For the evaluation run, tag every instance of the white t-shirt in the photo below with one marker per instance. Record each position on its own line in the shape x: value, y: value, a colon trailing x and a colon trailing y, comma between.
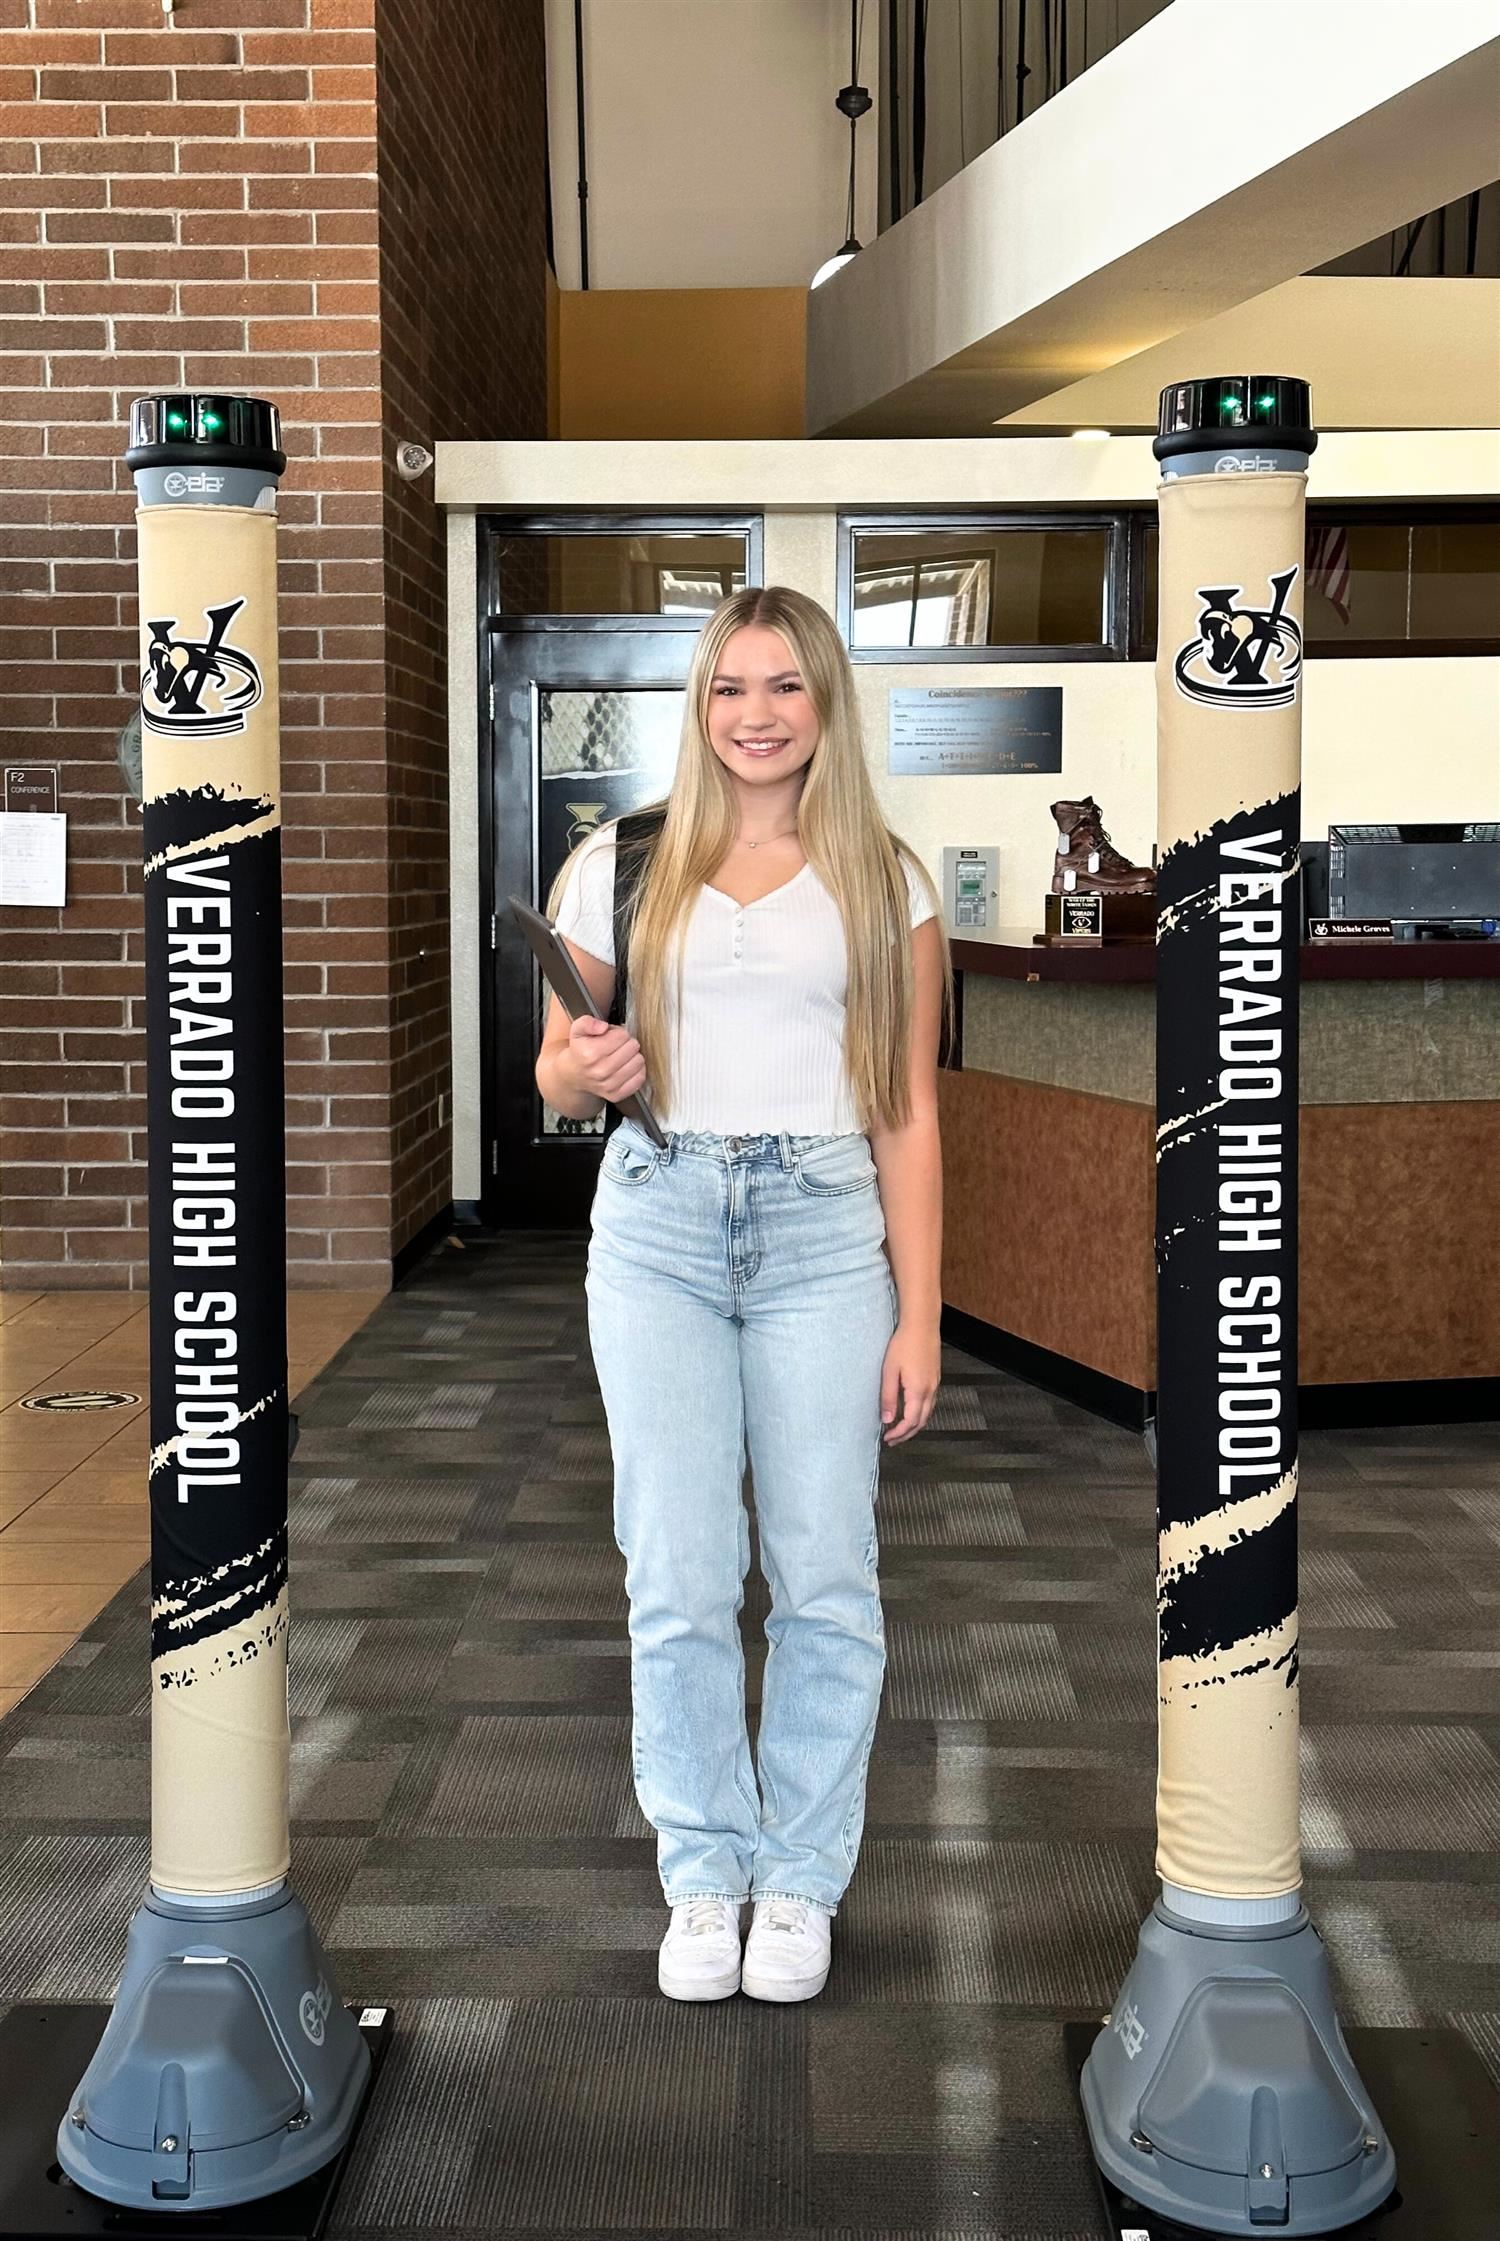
x: 761, y: 1043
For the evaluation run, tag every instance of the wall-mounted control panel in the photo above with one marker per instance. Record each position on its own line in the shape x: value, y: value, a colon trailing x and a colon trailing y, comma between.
x: 971, y: 889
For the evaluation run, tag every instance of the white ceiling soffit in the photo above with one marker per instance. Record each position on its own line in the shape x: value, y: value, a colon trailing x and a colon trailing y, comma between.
x: 1215, y: 154
x: 1378, y: 353
x: 789, y: 475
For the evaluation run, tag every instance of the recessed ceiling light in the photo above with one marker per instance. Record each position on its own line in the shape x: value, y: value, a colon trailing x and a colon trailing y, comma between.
x: 1091, y: 435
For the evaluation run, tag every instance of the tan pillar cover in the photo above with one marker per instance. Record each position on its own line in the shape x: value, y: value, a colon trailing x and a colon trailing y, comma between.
x: 1227, y: 1777
x: 219, y: 1728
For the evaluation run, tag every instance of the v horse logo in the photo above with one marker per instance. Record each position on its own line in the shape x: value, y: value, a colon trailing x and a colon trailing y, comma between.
x: 1242, y: 657
x: 198, y: 688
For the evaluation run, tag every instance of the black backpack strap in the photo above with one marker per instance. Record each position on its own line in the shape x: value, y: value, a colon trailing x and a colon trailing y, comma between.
x: 636, y: 835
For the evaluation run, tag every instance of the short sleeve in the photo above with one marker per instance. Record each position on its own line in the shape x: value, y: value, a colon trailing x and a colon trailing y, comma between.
x: 921, y: 901
x: 586, y: 912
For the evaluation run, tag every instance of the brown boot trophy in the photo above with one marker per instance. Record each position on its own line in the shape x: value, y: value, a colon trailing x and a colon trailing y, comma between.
x: 1088, y: 863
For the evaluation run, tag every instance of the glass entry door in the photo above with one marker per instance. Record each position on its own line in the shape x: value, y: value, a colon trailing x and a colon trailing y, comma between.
x: 587, y: 725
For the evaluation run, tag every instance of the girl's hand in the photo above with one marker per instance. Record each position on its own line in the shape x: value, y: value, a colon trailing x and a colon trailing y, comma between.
x: 910, y: 1379
x: 607, y: 1060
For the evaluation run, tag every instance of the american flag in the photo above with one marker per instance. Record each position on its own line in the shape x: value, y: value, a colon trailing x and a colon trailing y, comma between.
x: 1328, y: 568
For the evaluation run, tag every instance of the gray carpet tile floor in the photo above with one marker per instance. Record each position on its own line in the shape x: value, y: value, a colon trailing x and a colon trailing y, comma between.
x: 467, y: 1837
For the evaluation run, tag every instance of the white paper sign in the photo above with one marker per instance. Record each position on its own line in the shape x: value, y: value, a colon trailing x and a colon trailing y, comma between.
x: 33, y: 859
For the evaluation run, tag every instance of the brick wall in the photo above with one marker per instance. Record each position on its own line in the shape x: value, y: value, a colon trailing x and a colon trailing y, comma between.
x: 463, y: 317
x: 337, y: 204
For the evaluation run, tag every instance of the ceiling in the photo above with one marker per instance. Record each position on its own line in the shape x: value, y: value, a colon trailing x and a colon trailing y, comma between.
x: 1177, y: 182
x: 1378, y: 353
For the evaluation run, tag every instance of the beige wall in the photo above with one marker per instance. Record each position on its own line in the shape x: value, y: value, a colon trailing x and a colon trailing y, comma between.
x: 644, y: 363
x: 1382, y: 739
x: 716, y: 157
x: 554, y: 357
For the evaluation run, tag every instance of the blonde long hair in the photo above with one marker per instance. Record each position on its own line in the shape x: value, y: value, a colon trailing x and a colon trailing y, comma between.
x: 843, y: 835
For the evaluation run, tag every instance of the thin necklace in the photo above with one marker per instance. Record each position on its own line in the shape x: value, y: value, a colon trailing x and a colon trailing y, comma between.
x: 769, y: 836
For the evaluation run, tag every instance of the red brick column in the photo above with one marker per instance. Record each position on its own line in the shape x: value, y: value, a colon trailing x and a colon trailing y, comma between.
x: 336, y: 204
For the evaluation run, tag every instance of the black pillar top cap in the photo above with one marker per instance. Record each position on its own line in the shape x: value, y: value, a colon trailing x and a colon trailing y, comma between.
x: 200, y: 430
x: 1235, y: 412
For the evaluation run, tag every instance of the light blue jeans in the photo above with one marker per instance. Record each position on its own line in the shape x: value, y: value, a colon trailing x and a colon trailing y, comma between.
x: 740, y: 1302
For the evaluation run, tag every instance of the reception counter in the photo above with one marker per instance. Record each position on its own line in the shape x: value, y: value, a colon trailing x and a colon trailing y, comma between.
x: 1048, y: 1115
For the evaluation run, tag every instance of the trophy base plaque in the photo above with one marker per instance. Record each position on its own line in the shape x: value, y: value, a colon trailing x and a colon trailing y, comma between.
x: 1084, y: 918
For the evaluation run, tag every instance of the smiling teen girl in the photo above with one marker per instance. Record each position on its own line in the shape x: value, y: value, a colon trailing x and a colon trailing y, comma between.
x: 787, y: 973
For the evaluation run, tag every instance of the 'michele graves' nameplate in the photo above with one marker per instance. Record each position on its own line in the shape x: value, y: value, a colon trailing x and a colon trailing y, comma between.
x: 975, y: 731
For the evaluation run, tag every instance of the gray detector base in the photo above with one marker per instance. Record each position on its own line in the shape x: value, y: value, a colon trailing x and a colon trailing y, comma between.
x: 229, y: 2069
x: 1221, y: 2093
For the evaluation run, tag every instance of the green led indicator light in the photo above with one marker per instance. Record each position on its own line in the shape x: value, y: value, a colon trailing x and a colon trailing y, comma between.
x: 176, y: 420
x: 1265, y: 404
x: 212, y: 420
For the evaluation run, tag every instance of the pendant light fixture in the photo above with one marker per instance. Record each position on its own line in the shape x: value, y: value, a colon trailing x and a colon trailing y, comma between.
x: 852, y: 102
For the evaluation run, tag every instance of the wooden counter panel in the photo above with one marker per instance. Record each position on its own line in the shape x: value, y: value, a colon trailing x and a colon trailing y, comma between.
x: 1049, y: 1215
x: 1400, y: 1210
x: 1047, y: 1229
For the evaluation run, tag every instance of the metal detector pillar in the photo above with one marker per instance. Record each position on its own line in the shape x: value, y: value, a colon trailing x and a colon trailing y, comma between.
x: 1221, y: 2093
x: 229, y: 2068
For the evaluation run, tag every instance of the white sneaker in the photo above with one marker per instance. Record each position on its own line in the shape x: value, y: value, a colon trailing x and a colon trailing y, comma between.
x: 700, y: 1954
x: 788, y: 1952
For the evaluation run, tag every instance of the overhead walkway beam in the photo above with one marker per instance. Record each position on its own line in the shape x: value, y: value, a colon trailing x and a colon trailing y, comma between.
x: 1196, y: 166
